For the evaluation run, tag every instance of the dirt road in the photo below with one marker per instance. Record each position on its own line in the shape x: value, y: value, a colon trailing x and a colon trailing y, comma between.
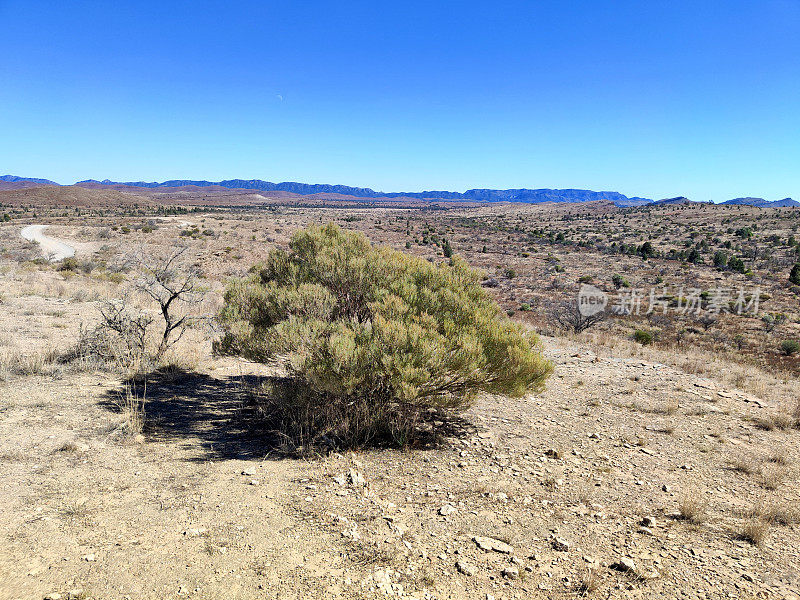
x: 53, y: 249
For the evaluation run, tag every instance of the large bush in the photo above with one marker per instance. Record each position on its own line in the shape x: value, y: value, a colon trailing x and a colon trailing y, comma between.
x: 373, y: 338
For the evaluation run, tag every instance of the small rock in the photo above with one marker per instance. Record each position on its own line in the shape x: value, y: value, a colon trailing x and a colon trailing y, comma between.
x: 553, y: 453
x: 649, y: 522
x: 255, y: 482
x: 195, y: 532
x: 645, y: 531
x: 447, y: 509
x: 487, y: 543
x: 465, y: 568
x: 560, y: 545
x: 88, y: 557
x: 75, y: 594
x: 53, y: 596
x: 653, y: 574
x: 511, y: 573
x: 356, y: 478
x: 249, y: 471
x: 626, y: 565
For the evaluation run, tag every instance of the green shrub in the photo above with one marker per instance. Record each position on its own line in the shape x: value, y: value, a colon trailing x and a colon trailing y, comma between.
x: 794, y: 274
x: 73, y: 265
x: 447, y: 249
x: 790, y: 347
x: 619, y: 281
x: 643, y: 337
x: 372, y: 338
x: 69, y: 264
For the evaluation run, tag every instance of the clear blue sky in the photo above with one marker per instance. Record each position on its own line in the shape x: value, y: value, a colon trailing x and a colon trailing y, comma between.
x: 654, y: 99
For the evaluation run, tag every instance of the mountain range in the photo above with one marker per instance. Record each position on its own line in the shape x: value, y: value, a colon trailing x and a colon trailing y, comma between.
x: 764, y: 203
x: 475, y: 195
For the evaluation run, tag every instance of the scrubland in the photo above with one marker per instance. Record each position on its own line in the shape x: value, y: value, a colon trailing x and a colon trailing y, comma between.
x: 650, y: 466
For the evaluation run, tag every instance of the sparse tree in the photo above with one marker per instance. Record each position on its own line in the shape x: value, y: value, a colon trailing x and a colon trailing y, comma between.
x: 170, y: 282
x: 794, y: 274
x: 569, y: 316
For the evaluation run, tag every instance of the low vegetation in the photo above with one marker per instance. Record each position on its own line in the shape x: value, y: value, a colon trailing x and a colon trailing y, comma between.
x: 374, y: 339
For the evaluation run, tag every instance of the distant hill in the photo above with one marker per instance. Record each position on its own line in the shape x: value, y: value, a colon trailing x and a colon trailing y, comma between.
x: 15, y: 179
x: 68, y: 196
x: 760, y: 202
x: 678, y: 200
x: 12, y: 182
x: 331, y: 192
x: 306, y: 189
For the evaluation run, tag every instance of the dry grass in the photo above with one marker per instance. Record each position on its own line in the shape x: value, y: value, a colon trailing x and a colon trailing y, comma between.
x: 743, y: 464
x: 692, y: 507
x: 13, y: 362
x: 780, y: 512
x: 779, y: 455
x: 589, y: 582
x: 75, y: 512
x: 778, y: 420
x: 131, y: 406
x: 725, y: 366
x: 772, y: 476
x: 754, y: 530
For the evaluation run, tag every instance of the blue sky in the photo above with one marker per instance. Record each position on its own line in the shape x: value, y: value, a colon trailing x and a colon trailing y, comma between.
x: 651, y: 99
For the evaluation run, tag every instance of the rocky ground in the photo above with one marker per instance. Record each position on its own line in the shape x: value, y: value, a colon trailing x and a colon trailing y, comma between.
x: 577, y: 492
x: 629, y: 477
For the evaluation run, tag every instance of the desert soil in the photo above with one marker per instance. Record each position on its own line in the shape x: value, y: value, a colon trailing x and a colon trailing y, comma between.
x: 577, y: 492
x: 199, y: 508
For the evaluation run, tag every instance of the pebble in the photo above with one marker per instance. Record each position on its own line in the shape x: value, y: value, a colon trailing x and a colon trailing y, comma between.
x: 487, y: 543
x: 447, y: 509
x: 511, y: 573
x: 560, y: 544
x: 465, y: 568
x: 195, y: 532
x: 356, y: 478
x: 626, y: 565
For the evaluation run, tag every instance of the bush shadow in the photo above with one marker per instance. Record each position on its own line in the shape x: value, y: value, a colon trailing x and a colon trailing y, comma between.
x: 224, y: 417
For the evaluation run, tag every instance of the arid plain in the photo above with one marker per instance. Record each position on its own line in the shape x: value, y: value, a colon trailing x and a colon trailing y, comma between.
x: 660, y: 461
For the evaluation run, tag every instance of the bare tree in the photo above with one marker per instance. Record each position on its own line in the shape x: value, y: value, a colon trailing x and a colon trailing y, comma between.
x: 170, y: 282
x: 568, y: 316
x: 131, y: 327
